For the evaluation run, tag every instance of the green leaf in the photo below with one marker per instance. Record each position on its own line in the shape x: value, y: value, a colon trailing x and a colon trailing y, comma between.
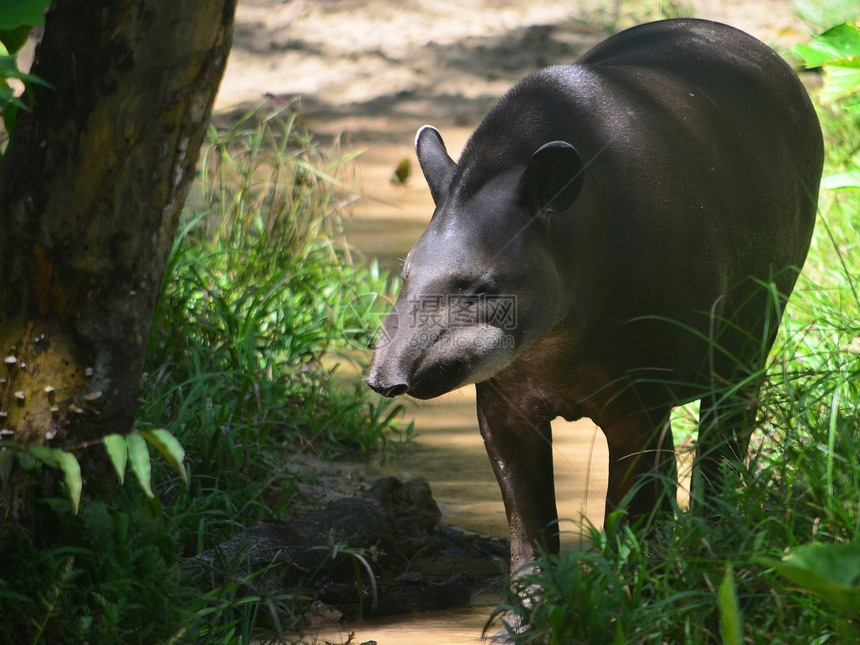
x: 118, y: 452
x: 838, y: 51
x: 72, y: 471
x: 170, y: 447
x: 837, y: 180
x: 43, y: 454
x: 10, y: 114
x: 9, y: 69
x: 841, y: 43
x: 730, y: 613
x: 138, y: 455
x: 14, y: 13
x: 26, y: 461
x: 66, y: 462
x: 832, y: 571
x: 840, y: 80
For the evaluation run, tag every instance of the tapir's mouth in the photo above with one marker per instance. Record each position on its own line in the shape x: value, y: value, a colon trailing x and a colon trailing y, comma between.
x: 438, y: 380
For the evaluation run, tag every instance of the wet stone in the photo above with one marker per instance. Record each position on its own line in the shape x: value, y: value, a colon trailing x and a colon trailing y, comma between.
x: 418, y: 563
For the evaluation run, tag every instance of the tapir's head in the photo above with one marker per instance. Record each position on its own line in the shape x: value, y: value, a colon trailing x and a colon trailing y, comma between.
x: 481, y: 284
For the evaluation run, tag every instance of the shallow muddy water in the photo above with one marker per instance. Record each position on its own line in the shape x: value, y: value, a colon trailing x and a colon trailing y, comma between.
x: 450, y: 454
x: 438, y: 628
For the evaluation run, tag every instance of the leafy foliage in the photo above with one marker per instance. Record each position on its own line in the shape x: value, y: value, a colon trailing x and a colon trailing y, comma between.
x: 250, y: 332
x: 102, y: 576
x: 832, y: 571
x: 251, y: 364
x: 118, y: 448
x: 837, y: 51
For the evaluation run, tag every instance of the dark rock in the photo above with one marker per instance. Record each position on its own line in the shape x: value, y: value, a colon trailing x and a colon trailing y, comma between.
x: 393, y: 528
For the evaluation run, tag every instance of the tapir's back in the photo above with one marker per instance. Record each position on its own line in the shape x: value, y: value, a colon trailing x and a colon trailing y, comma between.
x: 702, y: 52
x: 729, y: 98
x: 682, y: 113
x: 719, y: 151
x: 715, y: 138
x: 683, y: 43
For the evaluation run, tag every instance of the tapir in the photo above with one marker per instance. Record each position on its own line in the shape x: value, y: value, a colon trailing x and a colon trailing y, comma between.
x: 618, y: 237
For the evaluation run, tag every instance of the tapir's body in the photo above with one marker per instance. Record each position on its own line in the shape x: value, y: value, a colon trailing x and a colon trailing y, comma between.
x: 633, y: 209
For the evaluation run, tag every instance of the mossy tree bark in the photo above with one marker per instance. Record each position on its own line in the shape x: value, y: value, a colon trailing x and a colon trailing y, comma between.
x: 91, y: 188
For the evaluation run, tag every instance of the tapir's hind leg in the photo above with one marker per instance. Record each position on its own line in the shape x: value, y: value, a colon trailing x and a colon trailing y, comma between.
x: 642, y: 466
x: 728, y: 411
x: 726, y: 423
x: 520, y: 452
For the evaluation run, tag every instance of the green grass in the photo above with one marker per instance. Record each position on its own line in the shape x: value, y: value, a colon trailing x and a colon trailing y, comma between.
x: 262, y: 302
x: 719, y: 576
x: 258, y: 306
x: 258, y: 294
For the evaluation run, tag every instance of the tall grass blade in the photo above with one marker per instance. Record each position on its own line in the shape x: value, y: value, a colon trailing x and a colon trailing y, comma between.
x: 731, y: 623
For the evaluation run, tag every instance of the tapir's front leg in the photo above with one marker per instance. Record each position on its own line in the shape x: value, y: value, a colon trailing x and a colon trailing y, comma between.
x: 520, y: 451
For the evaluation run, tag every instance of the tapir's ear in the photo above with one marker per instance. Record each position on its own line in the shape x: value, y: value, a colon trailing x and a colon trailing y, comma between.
x: 553, y: 178
x: 437, y: 166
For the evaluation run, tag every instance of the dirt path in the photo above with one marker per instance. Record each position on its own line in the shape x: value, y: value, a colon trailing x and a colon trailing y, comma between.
x: 352, y: 53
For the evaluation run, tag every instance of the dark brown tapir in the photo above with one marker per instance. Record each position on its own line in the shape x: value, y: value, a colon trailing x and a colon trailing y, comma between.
x: 618, y: 238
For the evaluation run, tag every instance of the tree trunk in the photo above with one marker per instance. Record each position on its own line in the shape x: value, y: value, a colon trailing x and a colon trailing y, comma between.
x: 91, y: 188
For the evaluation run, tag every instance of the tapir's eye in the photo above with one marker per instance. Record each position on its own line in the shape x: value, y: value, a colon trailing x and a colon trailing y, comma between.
x: 481, y: 287
x: 462, y: 285
x: 490, y: 287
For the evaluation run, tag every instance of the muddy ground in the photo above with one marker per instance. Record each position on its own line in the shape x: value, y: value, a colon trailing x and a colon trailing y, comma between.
x: 387, y: 60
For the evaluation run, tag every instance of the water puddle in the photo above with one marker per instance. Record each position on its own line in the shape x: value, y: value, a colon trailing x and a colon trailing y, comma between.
x: 449, y: 453
x: 438, y: 628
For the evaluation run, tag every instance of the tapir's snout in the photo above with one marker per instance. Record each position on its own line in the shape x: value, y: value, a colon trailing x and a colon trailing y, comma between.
x: 437, y: 339
x: 386, y: 375
x: 416, y: 362
x: 385, y: 388
x: 383, y: 377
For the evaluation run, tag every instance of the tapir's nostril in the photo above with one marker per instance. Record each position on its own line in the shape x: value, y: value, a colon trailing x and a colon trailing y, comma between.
x: 384, y: 389
x: 394, y: 390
